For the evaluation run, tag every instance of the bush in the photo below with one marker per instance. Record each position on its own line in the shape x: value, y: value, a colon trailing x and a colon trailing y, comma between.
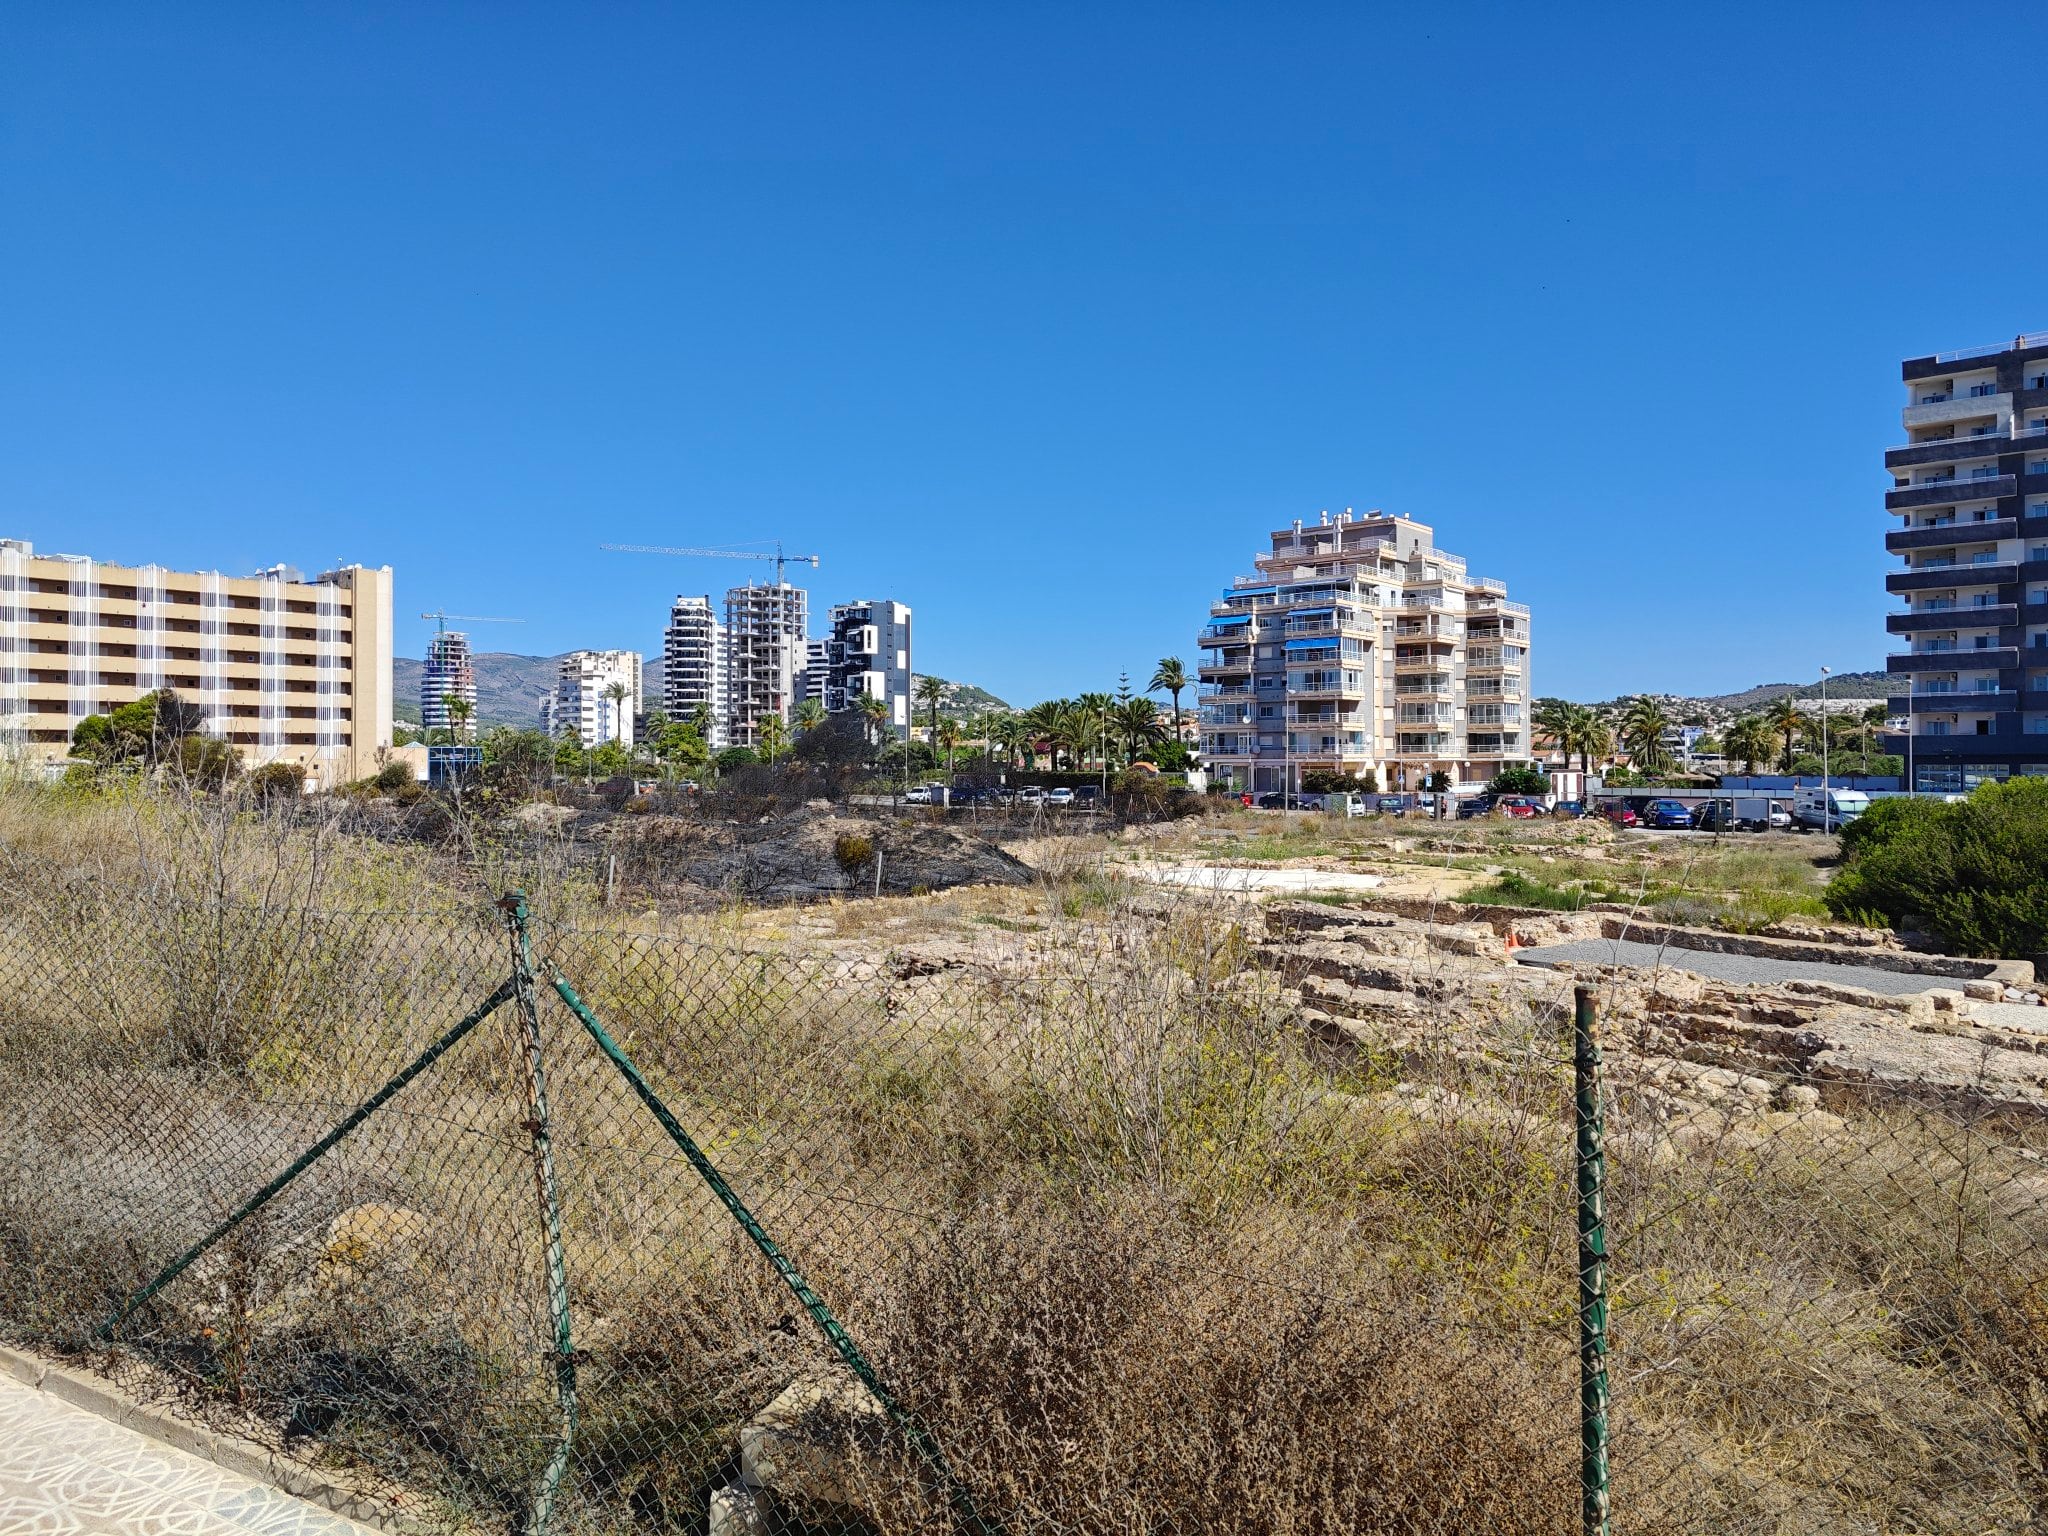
x: 278, y: 781
x: 1975, y: 872
x: 1523, y: 780
x: 393, y: 775
x: 853, y: 851
x: 1321, y: 781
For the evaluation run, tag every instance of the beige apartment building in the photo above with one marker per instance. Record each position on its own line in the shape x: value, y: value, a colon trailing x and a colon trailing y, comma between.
x: 1361, y: 645
x: 285, y: 669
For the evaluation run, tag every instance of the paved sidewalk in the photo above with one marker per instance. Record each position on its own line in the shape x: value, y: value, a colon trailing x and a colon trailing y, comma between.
x: 63, y: 1471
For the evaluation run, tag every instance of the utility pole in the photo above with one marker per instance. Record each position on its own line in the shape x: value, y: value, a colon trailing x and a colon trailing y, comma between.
x: 1826, y: 805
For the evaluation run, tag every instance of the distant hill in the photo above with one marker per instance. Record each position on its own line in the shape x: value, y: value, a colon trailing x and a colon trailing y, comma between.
x: 959, y: 700
x: 1846, y: 685
x: 508, y: 687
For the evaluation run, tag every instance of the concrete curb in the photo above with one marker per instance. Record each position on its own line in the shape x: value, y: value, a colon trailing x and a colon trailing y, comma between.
x: 245, y: 1458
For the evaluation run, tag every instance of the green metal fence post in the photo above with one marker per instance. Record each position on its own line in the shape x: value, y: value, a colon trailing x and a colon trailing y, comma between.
x: 538, y: 1127
x: 1590, y: 1122
x: 306, y: 1159
x: 920, y: 1438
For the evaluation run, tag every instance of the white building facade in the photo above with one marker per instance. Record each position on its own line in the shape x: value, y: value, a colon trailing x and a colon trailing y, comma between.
x: 597, y: 695
x: 450, y: 673
x: 1360, y: 646
x: 694, y: 667
x: 765, y: 625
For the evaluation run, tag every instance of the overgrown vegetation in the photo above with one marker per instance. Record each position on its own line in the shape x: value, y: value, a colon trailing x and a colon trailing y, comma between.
x: 1141, y: 1251
x: 1974, y: 872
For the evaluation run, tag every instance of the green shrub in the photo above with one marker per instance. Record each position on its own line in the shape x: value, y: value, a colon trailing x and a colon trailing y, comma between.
x: 1975, y: 872
x: 853, y: 851
x: 1526, y: 779
x: 1518, y: 890
x: 393, y: 775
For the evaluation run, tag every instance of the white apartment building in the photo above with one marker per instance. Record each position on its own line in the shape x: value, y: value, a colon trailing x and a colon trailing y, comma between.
x: 1969, y: 488
x: 694, y: 666
x: 285, y: 670
x: 810, y: 683
x: 765, y: 624
x: 1361, y: 645
x: 597, y: 695
x: 450, y: 673
x: 868, y: 655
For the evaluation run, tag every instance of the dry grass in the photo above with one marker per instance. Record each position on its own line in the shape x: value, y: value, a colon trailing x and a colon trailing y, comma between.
x: 1144, y: 1254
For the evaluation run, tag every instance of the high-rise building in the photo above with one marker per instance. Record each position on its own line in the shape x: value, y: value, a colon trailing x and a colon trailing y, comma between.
x: 283, y: 669
x: 868, y: 655
x: 764, y: 638
x: 693, y: 666
x: 450, y: 673
x: 810, y: 683
x: 597, y: 696
x: 1360, y: 645
x: 1970, y: 491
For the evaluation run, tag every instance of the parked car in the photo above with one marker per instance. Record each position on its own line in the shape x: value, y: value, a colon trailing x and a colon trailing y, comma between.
x: 1273, y: 800
x: 1666, y: 814
x: 1714, y: 816
x: 1060, y: 796
x: 1087, y: 795
x: 1620, y: 815
x: 1393, y: 805
x: 1031, y: 794
x: 1519, y: 806
x: 1568, y: 808
x: 1478, y: 805
x: 918, y: 794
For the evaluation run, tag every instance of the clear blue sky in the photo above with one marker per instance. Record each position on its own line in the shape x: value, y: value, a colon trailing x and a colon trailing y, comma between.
x: 1035, y: 317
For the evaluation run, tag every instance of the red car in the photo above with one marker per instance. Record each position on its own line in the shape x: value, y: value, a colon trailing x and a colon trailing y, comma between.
x: 1620, y: 815
x: 1522, y: 809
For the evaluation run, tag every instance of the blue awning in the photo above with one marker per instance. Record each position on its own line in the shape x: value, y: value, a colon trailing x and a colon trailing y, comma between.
x: 1220, y: 623
x: 1248, y: 591
x: 1309, y: 613
x: 1326, y: 643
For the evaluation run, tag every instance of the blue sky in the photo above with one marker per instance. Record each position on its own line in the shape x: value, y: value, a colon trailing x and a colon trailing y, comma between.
x: 1035, y: 317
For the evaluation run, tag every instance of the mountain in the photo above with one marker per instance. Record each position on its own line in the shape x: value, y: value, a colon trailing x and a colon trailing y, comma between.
x: 1848, y: 685
x: 508, y: 687
x: 959, y: 700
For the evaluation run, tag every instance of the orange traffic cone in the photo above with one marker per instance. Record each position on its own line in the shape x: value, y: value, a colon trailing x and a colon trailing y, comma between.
x: 1513, y: 943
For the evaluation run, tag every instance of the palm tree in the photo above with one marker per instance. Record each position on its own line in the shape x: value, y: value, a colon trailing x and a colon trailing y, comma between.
x: 1555, y: 718
x: 1170, y: 677
x: 1092, y: 712
x: 1643, y: 723
x: 874, y: 717
x: 1749, y: 739
x: 1139, y: 724
x: 808, y: 715
x: 460, y: 713
x: 946, y: 738
x: 930, y: 690
x: 1787, y: 720
x: 1012, y: 734
x: 1046, y: 722
x: 618, y: 693
x: 771, y: 737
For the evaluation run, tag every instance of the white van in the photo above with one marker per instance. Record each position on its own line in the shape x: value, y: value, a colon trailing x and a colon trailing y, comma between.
x: 1347, y: 803
x: 1826, y: 810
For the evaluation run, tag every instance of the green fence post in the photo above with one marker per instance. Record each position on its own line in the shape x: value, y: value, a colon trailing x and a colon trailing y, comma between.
x: 1590, y: 1123
x: 920, y: 1438
x: 538, y: 1127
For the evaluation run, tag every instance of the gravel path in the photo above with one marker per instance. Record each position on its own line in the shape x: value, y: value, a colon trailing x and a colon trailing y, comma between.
x: 1741, y: 968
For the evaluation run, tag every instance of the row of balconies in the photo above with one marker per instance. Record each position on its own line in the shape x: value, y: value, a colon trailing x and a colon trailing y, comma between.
x: 1942, y: 535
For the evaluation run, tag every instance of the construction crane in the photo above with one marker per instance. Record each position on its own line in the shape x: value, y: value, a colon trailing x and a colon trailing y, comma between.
x: 778, y: 557
x: 441, y: 620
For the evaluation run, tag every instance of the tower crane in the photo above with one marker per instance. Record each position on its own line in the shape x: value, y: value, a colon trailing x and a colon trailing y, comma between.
x: 778, y: 557
x: 441, y: 620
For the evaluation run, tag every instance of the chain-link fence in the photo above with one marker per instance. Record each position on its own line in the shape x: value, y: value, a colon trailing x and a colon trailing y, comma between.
x: 518, y: 1228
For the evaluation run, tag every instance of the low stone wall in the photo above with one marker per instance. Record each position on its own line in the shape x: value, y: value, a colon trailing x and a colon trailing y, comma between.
x: 2008, y: 972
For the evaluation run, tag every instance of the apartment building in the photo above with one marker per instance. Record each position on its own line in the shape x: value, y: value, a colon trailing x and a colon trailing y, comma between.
x: 810, y: 682
x: 1970, y: 494
x: 1357, y: 645
x: 867, y: 655
x: 694, y: 666
x: 449, y: 673
x: 765, y: 625
x: 597, y: 696
x: 284, y: 669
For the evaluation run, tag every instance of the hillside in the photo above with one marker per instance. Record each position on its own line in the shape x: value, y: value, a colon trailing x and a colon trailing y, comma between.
x: 508, y: 687
x: 959, y: 700
x: 1847, y: 685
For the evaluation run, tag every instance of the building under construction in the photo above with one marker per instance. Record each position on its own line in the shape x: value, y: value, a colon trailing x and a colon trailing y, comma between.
x: 765, y: 628
x: 450, y: 673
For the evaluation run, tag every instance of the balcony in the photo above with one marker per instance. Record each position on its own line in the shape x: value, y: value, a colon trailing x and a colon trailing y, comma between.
x: 1933, y: 408
x: 1991, y: 615
x: 1948, y: 450
x: 1972, y: 746
x: 1223, y: 695
x: 1955, y: 701
x: 1989, y: 658
x: 1945, y: 534
x: 1425, y: 688
x: 1225, y: 634
x: 1217, y: 671
x: 1433, y: 628
x: 1935, y: 577
x: 1941, y: 493
x: 1487, y: 662
x: 1428, y: 663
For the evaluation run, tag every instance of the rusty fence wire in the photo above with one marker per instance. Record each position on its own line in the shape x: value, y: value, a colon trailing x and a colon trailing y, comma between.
x: 504, y: 1226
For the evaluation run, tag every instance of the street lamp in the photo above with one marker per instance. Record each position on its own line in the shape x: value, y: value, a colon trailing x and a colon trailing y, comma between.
x: 1826, y: 819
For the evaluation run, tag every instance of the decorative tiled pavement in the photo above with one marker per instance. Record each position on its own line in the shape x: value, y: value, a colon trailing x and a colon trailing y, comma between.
x: 66, y: 1471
